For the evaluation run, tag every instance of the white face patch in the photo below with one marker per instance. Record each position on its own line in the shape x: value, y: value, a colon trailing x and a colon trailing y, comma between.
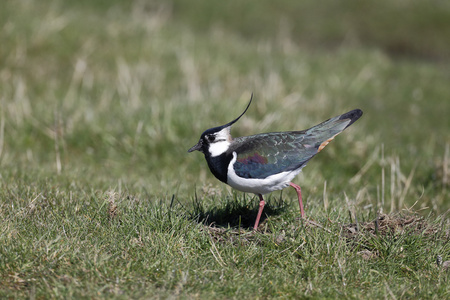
x: 221, y: 142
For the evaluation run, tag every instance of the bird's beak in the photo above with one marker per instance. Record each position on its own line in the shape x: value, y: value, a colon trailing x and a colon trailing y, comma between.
x: 197, y: 147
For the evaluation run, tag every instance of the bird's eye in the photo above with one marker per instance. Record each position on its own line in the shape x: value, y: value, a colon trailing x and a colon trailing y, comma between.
x: 211, y: 138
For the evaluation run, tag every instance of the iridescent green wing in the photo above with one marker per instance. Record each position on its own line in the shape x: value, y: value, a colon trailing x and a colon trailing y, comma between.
x: 262, y: 155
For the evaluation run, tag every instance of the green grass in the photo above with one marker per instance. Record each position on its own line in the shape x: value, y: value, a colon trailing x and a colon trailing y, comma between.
x: 100, y: 100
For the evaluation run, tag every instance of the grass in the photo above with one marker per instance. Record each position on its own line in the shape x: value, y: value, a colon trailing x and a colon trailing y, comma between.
x: 100, y: 100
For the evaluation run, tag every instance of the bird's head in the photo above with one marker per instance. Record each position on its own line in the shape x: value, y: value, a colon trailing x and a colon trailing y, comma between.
x: 215, y: 141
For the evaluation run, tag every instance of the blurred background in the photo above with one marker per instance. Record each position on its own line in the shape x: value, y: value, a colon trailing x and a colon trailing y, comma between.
x: 111, y: 94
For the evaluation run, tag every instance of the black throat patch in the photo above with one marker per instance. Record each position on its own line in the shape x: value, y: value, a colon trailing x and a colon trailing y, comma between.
x: 219, y: 165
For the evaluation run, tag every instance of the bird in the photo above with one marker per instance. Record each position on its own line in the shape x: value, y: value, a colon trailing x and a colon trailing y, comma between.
x: 267, y: 162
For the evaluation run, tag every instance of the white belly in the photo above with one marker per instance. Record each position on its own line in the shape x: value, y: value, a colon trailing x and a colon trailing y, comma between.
x: 259, y: 186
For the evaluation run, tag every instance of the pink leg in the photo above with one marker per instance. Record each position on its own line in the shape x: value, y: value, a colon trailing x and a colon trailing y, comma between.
x: 261, y: 207
x: 299, y: 194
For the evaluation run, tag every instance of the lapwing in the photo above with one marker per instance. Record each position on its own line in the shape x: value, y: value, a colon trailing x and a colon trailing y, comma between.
x: 267, y: 162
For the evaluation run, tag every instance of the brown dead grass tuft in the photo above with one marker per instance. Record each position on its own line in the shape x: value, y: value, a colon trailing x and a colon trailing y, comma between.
x: 391, y: 224
x: 112, y: 207
x: 227, y: 235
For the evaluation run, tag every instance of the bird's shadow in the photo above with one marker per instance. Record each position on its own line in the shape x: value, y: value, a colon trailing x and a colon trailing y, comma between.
x: 235, y: 211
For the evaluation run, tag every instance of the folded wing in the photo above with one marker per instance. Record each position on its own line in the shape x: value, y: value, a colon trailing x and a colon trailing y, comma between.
x: 262, y: 155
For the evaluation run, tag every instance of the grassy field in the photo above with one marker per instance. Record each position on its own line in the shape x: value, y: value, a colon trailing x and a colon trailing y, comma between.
x: 100, y: 101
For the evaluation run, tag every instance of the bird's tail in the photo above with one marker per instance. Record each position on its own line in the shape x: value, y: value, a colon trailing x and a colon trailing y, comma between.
x: 327, y: 130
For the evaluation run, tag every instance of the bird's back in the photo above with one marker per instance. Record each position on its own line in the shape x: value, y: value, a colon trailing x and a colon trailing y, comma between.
x: 262, y: 155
